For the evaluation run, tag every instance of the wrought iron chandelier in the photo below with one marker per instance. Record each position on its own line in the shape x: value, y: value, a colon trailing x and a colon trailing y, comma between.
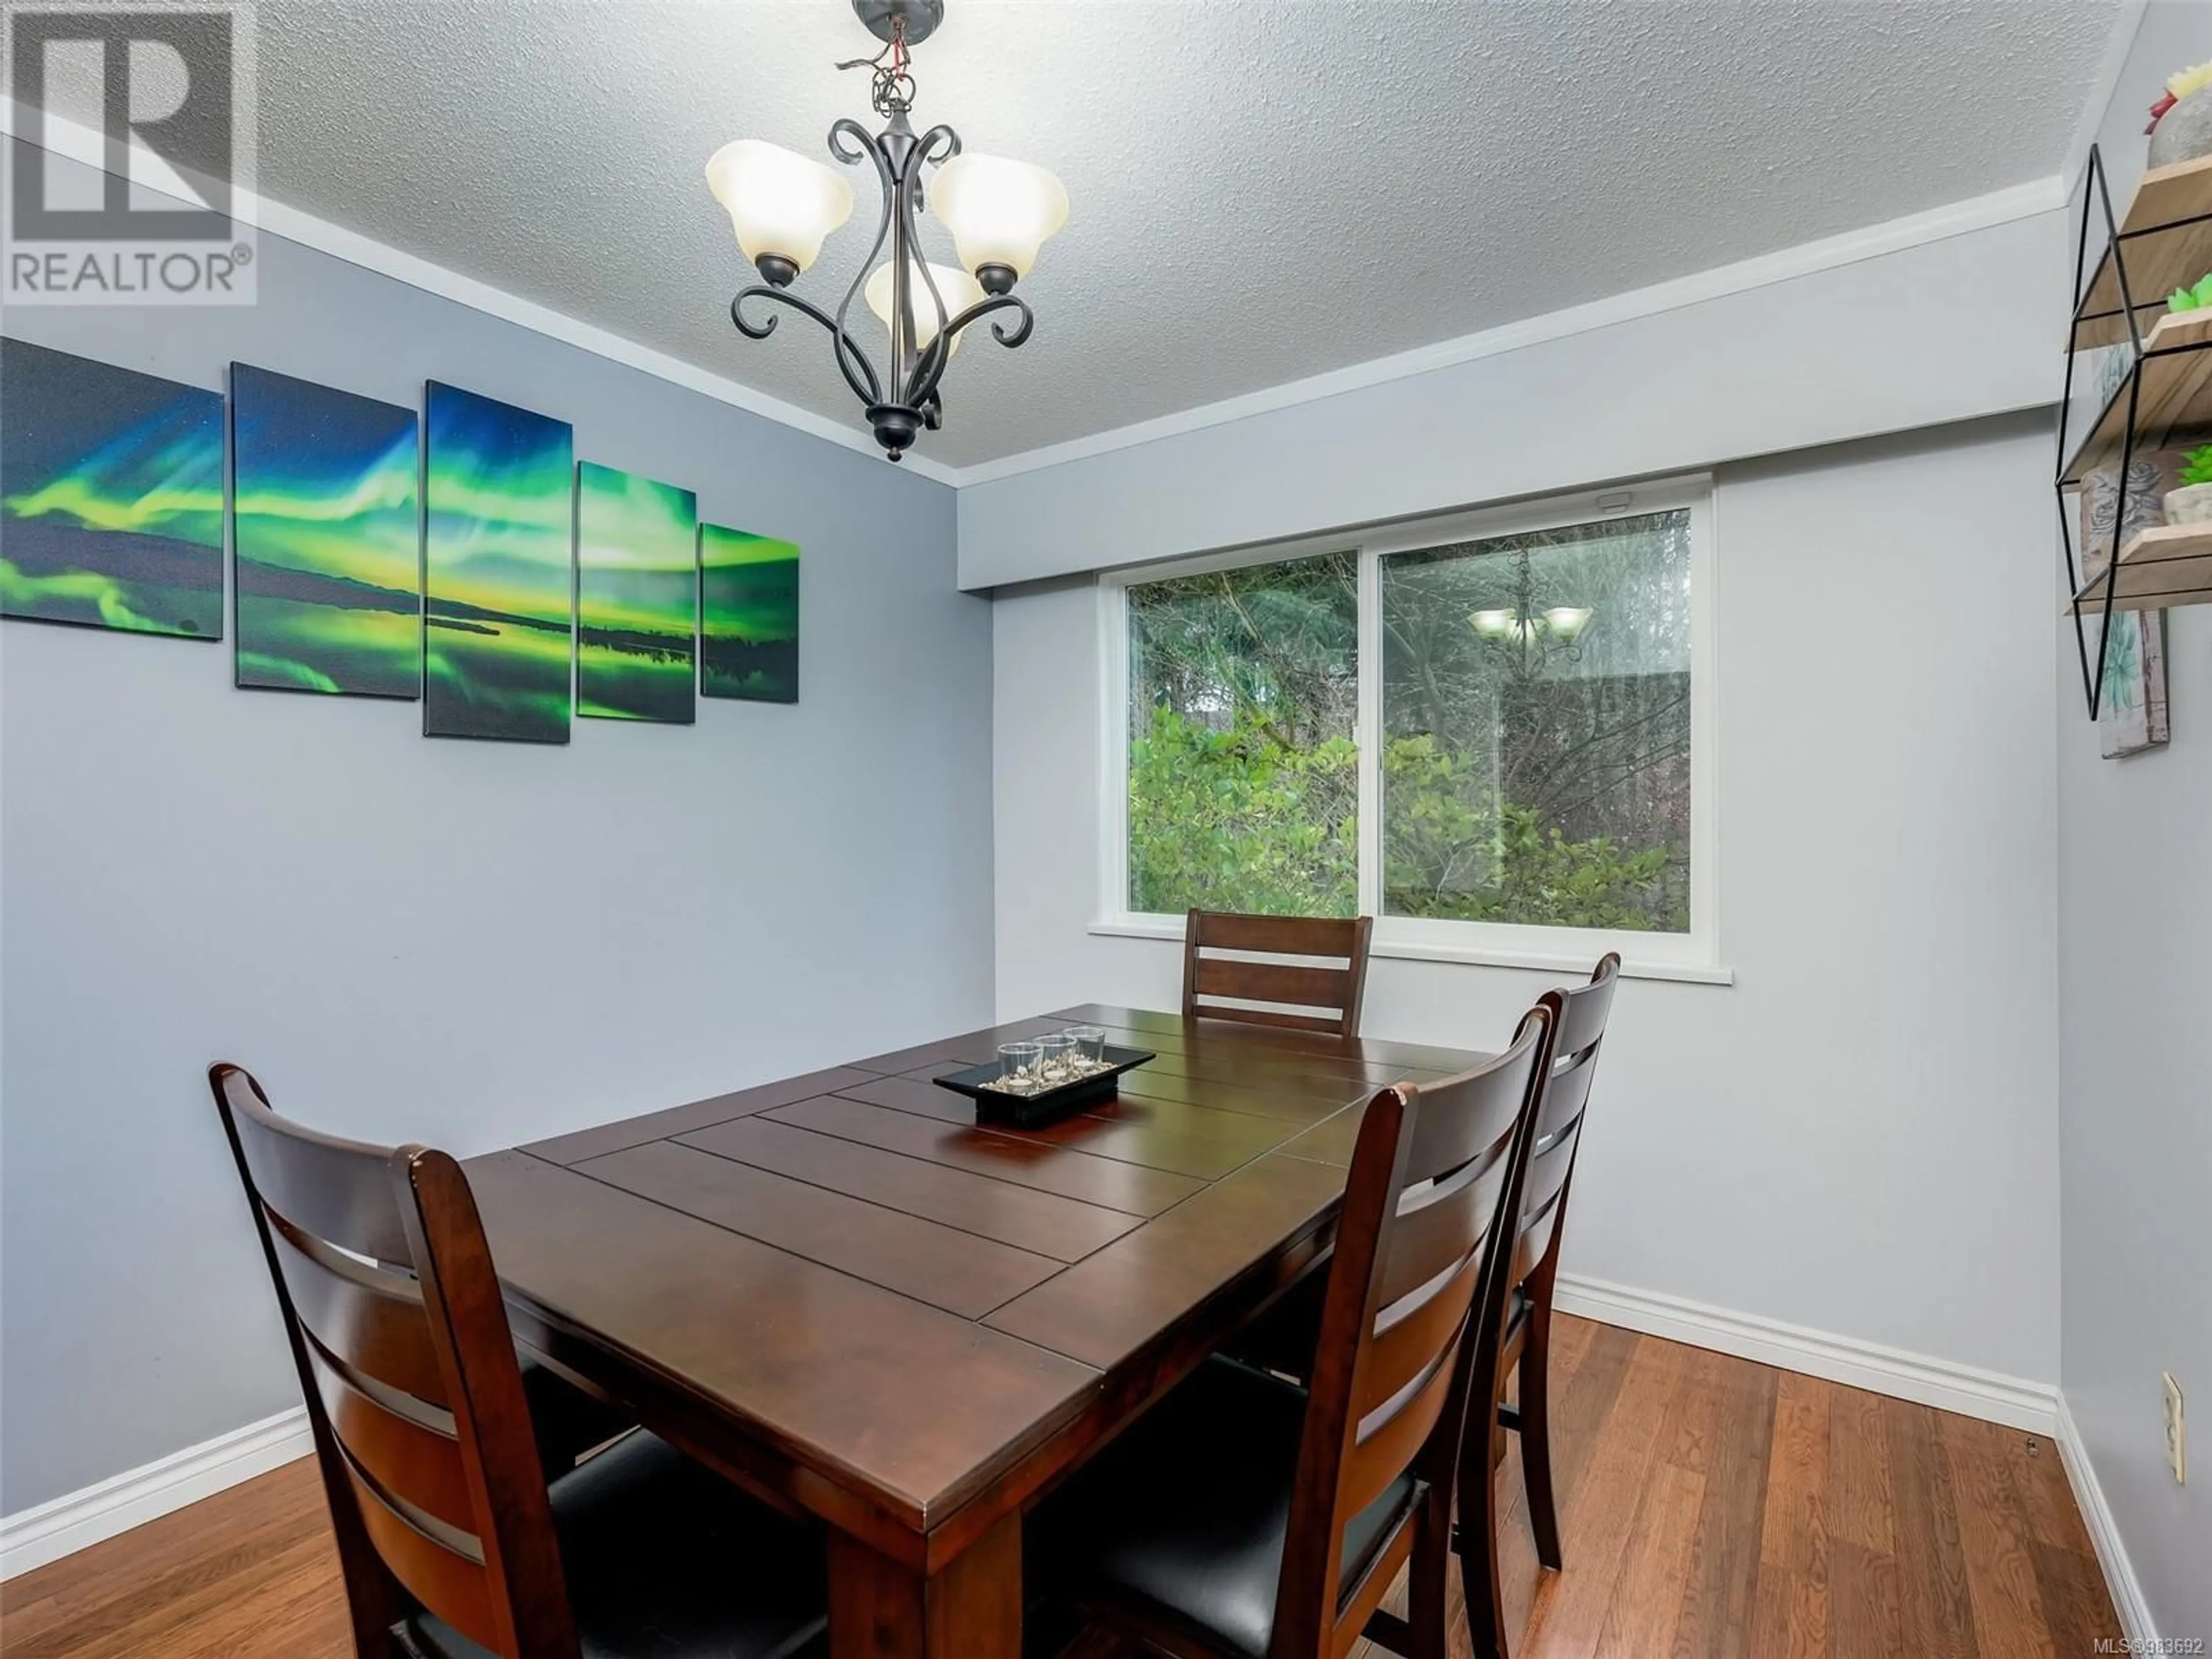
x: 783, y: 206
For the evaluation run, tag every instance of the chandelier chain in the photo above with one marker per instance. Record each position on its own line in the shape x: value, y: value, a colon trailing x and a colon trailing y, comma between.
x: 891, y: 79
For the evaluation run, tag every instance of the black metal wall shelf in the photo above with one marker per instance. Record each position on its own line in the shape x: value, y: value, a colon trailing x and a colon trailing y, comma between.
x: 2176, y: 390
x: 2169, y: 200
x: 2164, y: 243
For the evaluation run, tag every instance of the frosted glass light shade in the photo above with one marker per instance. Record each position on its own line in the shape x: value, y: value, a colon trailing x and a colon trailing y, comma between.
x: 999, y: 212
x: 1493, y: 624
x: 779, y: 202
x: 1567, y: 620
x: 956, y: 287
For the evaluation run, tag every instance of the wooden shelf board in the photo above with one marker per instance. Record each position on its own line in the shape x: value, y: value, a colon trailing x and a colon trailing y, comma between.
x: 2164, y: 250
x: 2165, y: 541
x: 2180, y: 331
x: 2177, y: 392
x: 2169, y: 565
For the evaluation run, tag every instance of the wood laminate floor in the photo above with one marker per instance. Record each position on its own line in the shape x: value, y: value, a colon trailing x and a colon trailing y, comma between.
x: 1710, y: 1507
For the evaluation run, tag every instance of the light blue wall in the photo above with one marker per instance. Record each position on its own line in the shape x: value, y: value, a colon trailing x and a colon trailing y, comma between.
x: 1873, y: 1104
x: 469, y: 944
x: 2135, y: 1039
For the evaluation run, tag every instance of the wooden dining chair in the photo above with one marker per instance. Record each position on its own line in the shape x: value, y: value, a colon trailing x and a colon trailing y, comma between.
x: 450, y: 1542
x: 1330, y: 984
x: 1245, y: 1518
x: 1528, y: 1343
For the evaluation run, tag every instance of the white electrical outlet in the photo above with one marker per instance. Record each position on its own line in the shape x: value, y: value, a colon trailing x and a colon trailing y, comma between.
x: 2177, y: 1431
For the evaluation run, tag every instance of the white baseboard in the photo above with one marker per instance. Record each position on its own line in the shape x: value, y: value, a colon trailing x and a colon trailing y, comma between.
x: 78, y: 1520
x: 2128, y: 1598
x: 1966, y: 1389
x: 2034, y: 1407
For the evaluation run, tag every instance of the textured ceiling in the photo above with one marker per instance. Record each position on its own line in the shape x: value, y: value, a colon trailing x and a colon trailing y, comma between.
x: 1262, y: 191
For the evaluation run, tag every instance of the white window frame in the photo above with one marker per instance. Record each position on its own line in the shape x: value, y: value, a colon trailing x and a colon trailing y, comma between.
x: 1693, y: 956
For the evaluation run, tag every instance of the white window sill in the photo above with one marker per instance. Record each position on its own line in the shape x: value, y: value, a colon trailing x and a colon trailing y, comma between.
x: 1687, y: 973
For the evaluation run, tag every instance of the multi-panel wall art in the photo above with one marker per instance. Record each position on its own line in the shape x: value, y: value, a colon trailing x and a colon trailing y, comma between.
x: 111, y: 497
x: 748, y: 617
x: 498, y: 555
x: 328, y: 550
x: 637, y: 597
x: 466, y: 559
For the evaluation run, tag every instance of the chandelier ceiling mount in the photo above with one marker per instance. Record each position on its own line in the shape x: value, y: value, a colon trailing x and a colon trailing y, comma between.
x: 884, y: 19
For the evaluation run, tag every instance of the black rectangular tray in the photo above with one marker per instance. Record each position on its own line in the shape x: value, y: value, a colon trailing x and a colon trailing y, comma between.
x: 1026, y: 1111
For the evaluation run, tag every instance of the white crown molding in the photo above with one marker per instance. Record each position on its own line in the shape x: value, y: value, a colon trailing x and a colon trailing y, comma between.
x: 80, y: 1519
x: 2044, y: 195
x: 79, y: 142
x: 2128, y: 1598
x: 1944, y: 1384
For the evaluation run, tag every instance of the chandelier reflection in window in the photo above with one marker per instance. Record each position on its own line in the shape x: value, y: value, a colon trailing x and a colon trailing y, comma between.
x: 1540, y: 637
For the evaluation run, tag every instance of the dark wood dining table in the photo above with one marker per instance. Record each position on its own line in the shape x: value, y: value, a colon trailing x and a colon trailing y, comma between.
x: 842, y: 1293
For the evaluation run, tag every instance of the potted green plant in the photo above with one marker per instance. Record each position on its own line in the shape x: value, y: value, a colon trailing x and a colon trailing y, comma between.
x: 2192, y: 503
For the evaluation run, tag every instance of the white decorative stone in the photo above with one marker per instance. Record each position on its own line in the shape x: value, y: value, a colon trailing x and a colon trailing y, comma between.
x: 2190, y: 504
x: 2184, y: 132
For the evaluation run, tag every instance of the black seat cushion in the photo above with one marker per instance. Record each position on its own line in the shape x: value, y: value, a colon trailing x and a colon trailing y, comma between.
x: 665, y: 1560
x: 1189, y: 1510
x: 565, y: 1420
x: 1282, y: 1338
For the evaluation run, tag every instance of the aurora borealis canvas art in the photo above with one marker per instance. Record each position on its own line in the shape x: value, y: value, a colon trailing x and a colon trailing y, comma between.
x: 637, y: 597
x: 111, y: 497
x: 748, y: 617
x: 329, y: 553
x: 499, y: 557
x: 464, y: 557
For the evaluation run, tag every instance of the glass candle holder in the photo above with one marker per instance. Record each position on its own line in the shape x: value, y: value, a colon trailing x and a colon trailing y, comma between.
x: 1089, y: 1042
x: 1019, y: 1064
x: 1055, y: 1054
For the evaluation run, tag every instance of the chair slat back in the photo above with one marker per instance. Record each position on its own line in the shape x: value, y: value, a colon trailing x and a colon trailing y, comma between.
x: 1559, y: 1123
x: 369, y: 1318
x: 1410, y: 1323
x: 400, y: 1444
x: 414, y: 1394
x: 1322, y: 993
